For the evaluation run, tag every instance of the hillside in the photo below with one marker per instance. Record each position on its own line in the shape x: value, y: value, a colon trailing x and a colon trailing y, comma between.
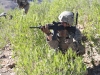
x: 29, y: 47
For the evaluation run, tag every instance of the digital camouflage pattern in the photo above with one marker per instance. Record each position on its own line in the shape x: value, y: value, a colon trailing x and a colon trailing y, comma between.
x: 66, y: 16
x: 64, y: 43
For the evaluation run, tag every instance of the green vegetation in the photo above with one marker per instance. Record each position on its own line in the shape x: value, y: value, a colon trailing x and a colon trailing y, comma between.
x: 33, y: 54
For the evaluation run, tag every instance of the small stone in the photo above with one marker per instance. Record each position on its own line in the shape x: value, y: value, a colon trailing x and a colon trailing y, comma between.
x: 3, y: 56
x: 11, y: 65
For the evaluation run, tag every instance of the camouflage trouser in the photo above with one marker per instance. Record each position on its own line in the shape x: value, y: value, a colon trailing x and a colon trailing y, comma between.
x: 79, y: 48
x: 63, y: 46
x: 26, y: 8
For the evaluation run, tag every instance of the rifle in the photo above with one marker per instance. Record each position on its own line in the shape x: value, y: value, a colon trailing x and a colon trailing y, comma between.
x: 56, y: 26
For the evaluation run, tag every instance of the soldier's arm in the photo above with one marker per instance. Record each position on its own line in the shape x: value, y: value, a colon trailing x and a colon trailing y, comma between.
x: 78, y: 35
x: 52, y: 43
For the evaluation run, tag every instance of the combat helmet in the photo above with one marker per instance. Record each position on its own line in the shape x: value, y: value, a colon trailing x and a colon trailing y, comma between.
x: 66, y: 16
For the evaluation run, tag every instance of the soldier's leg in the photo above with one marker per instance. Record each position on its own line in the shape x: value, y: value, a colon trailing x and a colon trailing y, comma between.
x: 80, y: 49
x: 26, y: 8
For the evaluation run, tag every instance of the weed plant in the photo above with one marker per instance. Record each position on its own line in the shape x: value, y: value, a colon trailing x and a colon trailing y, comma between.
x: 34, y: 56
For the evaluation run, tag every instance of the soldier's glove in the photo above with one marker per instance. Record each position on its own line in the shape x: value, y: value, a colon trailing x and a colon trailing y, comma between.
x: 46, y: 30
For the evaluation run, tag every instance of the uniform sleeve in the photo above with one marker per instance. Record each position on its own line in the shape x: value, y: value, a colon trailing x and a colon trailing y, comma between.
x: 78, y: 35
x: 53, y: 44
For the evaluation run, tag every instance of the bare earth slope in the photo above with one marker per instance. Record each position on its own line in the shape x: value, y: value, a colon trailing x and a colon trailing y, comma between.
x: 7, y: 63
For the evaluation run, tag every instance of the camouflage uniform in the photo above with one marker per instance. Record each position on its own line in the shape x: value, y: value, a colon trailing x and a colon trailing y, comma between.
x: 23, y: 4
x: 72, y: 39
x: 64, y: 43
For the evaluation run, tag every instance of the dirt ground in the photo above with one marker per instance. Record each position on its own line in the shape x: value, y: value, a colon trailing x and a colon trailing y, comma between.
x: 7, y: 62
x: 92, y: 59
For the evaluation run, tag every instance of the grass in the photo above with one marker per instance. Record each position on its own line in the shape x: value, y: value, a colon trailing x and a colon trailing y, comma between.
x: 34, y: 55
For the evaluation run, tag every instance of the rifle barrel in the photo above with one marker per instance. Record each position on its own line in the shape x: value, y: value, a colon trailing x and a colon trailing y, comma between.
x: 35, y: 27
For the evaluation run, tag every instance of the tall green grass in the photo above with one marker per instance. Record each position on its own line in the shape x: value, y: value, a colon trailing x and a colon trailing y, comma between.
x: 33, y: 53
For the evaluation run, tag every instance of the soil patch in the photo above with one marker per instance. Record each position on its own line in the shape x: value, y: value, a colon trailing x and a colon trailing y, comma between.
x: 7, y: 63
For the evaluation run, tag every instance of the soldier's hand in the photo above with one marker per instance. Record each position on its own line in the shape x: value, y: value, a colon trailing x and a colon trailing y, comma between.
x: 45, y: 29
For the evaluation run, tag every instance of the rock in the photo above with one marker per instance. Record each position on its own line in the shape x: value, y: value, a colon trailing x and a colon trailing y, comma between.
x: 3, y: 56
x: 3, y: 14
x: 11, y: 65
